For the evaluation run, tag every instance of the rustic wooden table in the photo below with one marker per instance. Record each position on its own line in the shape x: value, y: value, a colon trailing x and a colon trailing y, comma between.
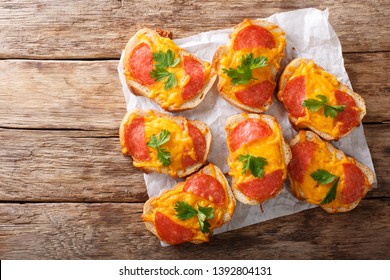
x: 66, y: 192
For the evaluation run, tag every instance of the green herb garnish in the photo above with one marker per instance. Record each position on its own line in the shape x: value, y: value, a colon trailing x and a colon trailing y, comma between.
x: 254, y: 164
x: 315, y: 104
x: 243, y: 74
x: 163, y: 155
x: 163, y: 61
x: 184, y: 211
x: 323, y: 177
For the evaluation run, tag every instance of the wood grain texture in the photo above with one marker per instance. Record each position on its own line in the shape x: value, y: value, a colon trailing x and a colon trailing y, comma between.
x: 101, y: 28
x: 87, y: 94
x: 61, y: 94
x: 39, y: 165
x: 115, y: 231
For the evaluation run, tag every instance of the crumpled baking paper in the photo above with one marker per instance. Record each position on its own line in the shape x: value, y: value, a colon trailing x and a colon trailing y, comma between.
x: 309, y: 35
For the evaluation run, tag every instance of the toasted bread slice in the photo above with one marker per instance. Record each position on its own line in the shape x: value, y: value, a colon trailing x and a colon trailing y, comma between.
x: 171, y: 99
x: 176, y: 148
x: 204, y: 195
x: 274, y: 56
x: 332, y: 160
x: 272, y: 147
x: 316, y: 126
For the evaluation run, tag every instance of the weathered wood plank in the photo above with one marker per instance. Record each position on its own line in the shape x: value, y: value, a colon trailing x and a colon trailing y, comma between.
x: 369, y: 74
x: 115, y: 231
x: 66, y: 166
x: 88, y: 95
x: 100, y: 28
x: 85, y: 166
x: 61, y: 94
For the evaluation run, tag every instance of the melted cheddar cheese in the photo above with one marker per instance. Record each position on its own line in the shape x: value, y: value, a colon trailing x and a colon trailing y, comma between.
x: 171, y: 97
x: 179, y: 144
x: 317, y: 82
x: 166, y: 201
x: 269, y: 148
x: 322, y: 158
x: 233, y: 60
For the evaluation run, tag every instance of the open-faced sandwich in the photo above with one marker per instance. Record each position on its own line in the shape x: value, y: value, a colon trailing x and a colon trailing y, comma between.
x: 163, y: 143
x: 192, y: 209
x: 155, y: 67
x: 258, y: 157
x: 323, y: 175
x: 248, y: 65
x: 315, y: 99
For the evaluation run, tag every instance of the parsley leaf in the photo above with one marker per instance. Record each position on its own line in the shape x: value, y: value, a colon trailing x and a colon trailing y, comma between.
x: 333, y: 110
x: 153, y: 142
x: 323, y: 177
x: 254, y: 164
x: 208, y: 212
x: 329, y: 110
x: 203, y: 214
x: 243, y: 74
x: 163, y: 155
x: 184, y: 211
x: 170, y: 82
x: 323, y: 98
x: 165, y: 135
x: 331, y: 194
x: 164, y: 60
x: 159, y: 74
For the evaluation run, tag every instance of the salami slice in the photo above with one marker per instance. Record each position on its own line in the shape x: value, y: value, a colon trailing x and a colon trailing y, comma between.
x: 254, y: 36
x: 302, y: 154
x: 260, y: 189
x: 349, y: 118
x: 195, y: 70
x: 293, y: 96
x: 256, y: 95
x: 170, y: 231
x: 248, y: 131
x: 343, y: 98
x: 199, y: 145
x: 135, y: 139
x: 141, y: 64
x: 206, y: 186
x: 353, y: 183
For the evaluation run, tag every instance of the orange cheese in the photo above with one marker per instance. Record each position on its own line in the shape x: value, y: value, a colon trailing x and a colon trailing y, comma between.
x: 171, y: 97
x: 180, y: 142
x: 233, y: 60
x: 165, y: 205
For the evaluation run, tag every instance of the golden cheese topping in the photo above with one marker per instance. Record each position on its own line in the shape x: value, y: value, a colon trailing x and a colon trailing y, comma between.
x: 166, y: 201
x: 233, y: 60
x: 270, y: 148
x: 170, y: 97
x: 318, y: 82
x: 180, y: 142
x: 324, y: 159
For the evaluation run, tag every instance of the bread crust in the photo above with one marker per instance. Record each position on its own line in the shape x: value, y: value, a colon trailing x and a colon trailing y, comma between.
x: 288, y: 72
x: 179, y: 120
x: 148, y: 208
x: 311, y: 136
x: 273, y: 123
x: 223, y: 51
x: 140, y: 90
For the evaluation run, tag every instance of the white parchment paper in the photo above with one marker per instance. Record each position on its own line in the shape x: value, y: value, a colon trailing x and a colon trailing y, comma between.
x: 309, y: 35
